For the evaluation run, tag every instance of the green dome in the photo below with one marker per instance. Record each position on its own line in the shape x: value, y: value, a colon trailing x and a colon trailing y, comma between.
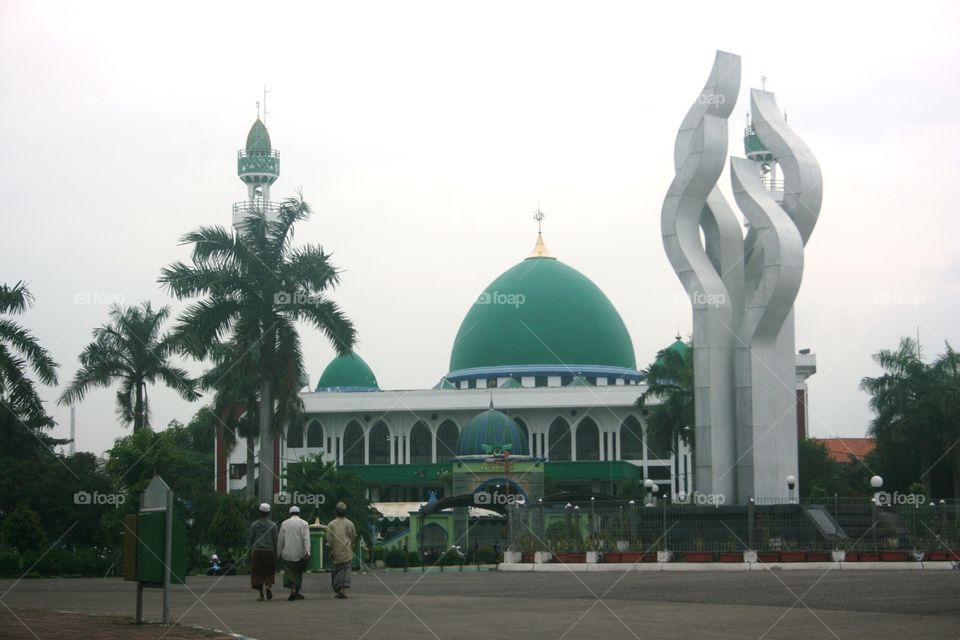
x: 258, y: 140
x: 678, y: 346
x: 347, y: 373
x: 542, y: 314
x: 490, y: 431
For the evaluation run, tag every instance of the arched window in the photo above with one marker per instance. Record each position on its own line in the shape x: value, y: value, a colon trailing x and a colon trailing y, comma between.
x: 379, y: 442
x: 631, y: 439
x: 447, y: 436
x: 295, y: 435
x: 353, y: 443
x: 558, y: 440
x: 315, y: 435
x: 588, y: 440
x: 420, y: 444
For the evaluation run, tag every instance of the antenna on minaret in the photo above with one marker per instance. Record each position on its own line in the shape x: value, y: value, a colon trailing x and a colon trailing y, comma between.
x: 763, y: 82
x: 258, y: 109
x: 265, y: 112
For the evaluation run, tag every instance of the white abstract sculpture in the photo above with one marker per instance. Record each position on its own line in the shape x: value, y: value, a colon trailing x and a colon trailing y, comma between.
x: 742, y: 289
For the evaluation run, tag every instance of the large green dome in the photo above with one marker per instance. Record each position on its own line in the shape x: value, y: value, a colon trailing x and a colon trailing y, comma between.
x: 542, y: 317
x: 489, y: 432
x: 347, y: 373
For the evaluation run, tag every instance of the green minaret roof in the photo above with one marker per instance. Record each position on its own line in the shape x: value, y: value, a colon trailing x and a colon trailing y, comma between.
x: 258, y: 140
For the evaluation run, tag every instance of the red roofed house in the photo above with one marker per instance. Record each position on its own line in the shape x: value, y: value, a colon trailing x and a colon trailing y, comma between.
x: 840, y: 449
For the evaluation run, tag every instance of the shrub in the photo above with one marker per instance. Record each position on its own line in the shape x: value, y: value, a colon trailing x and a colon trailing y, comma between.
x: 486, y: 555
x: 395, y: 558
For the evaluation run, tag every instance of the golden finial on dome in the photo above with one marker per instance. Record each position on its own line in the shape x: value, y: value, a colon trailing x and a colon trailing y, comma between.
x: 539, y: 249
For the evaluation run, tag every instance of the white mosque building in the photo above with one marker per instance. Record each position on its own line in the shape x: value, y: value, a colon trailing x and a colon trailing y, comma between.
x: 542, y: 344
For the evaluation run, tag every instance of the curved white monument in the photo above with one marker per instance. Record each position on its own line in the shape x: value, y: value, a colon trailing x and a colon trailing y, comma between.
x: 742, y: 289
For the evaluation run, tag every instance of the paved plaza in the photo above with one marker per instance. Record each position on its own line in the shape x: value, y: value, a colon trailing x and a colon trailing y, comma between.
x: 704, y: 604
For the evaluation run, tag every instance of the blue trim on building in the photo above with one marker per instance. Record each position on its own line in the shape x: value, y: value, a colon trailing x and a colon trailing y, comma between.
x: 534, y: 370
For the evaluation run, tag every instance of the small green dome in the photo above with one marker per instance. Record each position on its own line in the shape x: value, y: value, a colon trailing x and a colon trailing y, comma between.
x: 542, y: 312
x: 347, y: 373
x: 258, y: 140
x: 680, y: 347
x: 490, y: 431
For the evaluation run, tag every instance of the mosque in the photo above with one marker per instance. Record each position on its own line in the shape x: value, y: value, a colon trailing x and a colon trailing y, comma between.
x: 542, y: 369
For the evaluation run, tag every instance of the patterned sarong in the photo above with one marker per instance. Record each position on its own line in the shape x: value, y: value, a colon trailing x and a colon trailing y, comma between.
x: 263, y: 564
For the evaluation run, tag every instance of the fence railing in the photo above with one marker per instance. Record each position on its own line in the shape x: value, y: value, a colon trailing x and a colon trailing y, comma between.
x: 849, y: 524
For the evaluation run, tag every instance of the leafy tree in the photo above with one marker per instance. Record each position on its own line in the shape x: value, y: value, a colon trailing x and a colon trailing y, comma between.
x: 914, y: 415
x: 310, y: 476
x: 22, y: 531
x: 255, y: 285
x: 669, y: 379
x: 818, y: 473
x: 131, y: 351
x: 947, y: 368
x: 228, y: 529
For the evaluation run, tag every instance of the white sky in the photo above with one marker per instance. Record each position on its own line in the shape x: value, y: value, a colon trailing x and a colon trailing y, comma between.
x: 425, y: 134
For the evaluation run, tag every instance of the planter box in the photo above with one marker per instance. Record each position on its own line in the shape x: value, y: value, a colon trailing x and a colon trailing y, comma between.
x: 637, y: 556
x: 512, y: 557
x: 894, y: 556
x: 613, y: 556
x: 527, y: 557
x: 818, y: 556
x: 768, y: 556
x: 838, y: 556
x: 664, y: 556
x: 541, y: 557
x: 571, y: 558
x: 731, y: 556
x: 698, y: 556
x: 868, y: 556
x: 793, y: 556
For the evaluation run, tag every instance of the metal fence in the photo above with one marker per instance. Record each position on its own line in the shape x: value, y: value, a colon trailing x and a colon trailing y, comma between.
x: 849, y: 524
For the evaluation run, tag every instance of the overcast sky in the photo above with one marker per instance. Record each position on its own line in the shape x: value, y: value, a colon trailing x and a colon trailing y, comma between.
x: 425, y: 134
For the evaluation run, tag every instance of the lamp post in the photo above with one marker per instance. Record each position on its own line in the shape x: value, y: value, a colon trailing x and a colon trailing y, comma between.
x: 648, y: 486
x: 593, y: 517
x: 876, y: 482
x: 791, y: 485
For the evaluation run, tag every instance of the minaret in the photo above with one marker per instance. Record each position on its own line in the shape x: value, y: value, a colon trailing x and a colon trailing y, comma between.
x: 767, y: 165
x: 258, y: 166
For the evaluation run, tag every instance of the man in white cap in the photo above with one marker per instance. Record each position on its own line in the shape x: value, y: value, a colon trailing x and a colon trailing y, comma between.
x: 294, y: 549
x: 262, y: 542
x: 341, y: 536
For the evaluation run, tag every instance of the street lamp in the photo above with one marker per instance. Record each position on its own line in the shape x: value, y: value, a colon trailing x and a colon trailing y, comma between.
x: 791, y: 485
x: 876, y: 482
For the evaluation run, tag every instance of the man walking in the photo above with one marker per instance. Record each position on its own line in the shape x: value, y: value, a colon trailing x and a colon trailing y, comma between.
x: 293, y: 548
x: 341, y: 536
x: 262, y: 542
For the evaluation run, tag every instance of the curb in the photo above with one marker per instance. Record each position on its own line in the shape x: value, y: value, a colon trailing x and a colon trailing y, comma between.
x: 729, y: 566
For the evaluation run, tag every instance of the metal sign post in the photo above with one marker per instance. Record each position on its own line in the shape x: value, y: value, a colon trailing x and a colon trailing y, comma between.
x: 158, y: 497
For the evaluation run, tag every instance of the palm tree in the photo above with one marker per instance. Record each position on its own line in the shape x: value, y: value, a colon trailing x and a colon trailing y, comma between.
x: 906, y: 403
x: 233, y: 377
x: 20, y: 404
x: 255, y: 286
x: 131, y: 351
x: 670, y: 379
